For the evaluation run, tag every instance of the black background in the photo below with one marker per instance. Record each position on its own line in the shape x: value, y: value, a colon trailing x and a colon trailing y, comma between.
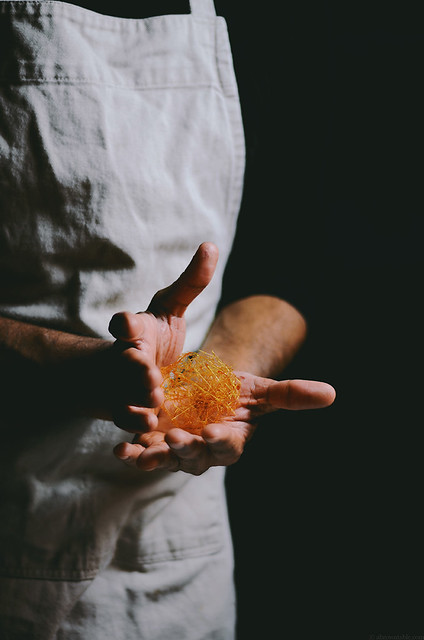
x: 326, y: 506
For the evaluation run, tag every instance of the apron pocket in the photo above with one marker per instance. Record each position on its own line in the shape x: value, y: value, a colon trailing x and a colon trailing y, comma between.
x: 189, y: 525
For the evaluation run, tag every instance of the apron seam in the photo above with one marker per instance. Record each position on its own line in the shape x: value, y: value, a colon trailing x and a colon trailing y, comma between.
x: 75, y: 81
x: 179, y: 554
x: 47, y: 8
x: 228, y: 83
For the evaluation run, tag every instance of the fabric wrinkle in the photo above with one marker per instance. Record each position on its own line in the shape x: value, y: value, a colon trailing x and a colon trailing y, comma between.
x: 121, y: 150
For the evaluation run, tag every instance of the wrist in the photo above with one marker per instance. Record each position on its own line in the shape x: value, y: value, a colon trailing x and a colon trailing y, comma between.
x: 259, y: 334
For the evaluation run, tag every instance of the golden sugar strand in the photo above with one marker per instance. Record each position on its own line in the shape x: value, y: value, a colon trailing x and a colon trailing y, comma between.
x: 199, y: 389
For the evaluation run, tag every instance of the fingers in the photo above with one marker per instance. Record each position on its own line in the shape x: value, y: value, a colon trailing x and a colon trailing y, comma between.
x: 299, y: 394
x: 218, y: 445
x: 134, y: 419
x: 175, y: 299
x: 179, y: 450
x: 128, y: 452
x: 148, y: 452
x: 132, y: 389
x: 137, y: 328
x: 226, y: 443
x: 138, y: 379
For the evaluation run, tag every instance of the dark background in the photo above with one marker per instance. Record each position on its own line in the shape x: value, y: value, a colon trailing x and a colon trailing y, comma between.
x: 326, y: 506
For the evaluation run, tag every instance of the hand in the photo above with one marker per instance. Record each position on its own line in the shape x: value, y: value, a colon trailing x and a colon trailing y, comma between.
x: 64, y: 374
x: 222, y: 444
x: 152, y: 339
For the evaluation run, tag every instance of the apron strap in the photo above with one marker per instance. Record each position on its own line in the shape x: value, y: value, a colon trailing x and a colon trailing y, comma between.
x: 203, y: 8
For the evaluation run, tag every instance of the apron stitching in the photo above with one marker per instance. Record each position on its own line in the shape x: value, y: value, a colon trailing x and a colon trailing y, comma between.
x: 80, y: 81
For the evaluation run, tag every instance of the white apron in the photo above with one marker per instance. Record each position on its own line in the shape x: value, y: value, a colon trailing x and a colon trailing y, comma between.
x: 121, y: 150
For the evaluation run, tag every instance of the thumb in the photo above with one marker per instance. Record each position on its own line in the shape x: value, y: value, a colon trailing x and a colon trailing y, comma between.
x: 299, y: 394
x: 175, y: 299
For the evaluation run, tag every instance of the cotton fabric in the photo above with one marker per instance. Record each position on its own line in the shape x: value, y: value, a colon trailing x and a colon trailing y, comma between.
x: 121, y: 150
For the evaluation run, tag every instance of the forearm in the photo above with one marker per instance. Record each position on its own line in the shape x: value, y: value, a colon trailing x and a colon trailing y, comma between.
x: 259, y: 334
x: 43, y: 369
x: 35, y: 345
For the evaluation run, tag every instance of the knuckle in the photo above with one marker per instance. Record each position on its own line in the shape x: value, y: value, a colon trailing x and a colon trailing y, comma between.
x: 130, y: 355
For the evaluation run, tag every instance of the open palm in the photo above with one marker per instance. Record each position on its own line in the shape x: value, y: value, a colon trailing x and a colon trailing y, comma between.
x: 222, y: 443
x: 155, y: 338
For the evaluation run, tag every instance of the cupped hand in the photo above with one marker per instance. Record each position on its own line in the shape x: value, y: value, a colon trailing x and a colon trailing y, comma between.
x: 222, y: 444
x: 147, y: 341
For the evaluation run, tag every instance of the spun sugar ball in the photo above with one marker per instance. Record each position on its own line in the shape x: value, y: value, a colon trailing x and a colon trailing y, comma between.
x: 199, y: 389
